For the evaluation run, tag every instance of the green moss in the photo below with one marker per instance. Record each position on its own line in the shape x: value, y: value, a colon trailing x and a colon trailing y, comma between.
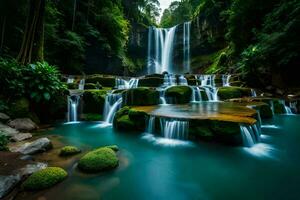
x: 225, y: 93
x: 140, y: 97
x: 69, y: 150
x: 179, y: 94
x: 98, y: 160
x: 93, y: 101
x: 89, y: 86
x: 279, y: 108
x: 265, y: 111
x: 92, y: 117
x: 225, y: 128
x: 113, y: 147
x: 200, y: 128
x: 45, y: 178
x: 151, y: 82
x: 104, y: 81
x: 155, y: 76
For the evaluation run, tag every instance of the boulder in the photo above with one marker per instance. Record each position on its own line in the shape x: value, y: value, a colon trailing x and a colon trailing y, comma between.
x: 39, y: 145
x: 7, y: 184
x: 7, y: 131
x: 25, y: 124
x: 93, y: 101
x: 225, y: 93
x: 4, y: 117
x: 32, y: 168
x: 141, y: 96
x: 178, y: 94
x: 21, y: 136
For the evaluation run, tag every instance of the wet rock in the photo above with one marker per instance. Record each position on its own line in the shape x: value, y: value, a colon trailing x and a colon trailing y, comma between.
x: 7, y: 131
x: 25, y: 124
x: 7, y: 183
x: 21, y: 136
x: 27, y: 157
x: 31, y: 168
x: 39, y: 145
x: 4, y: 117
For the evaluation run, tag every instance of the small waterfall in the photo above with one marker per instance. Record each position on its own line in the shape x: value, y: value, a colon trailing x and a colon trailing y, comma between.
x: 174, y: 129
x: 160, y: 52
x: 226, y: 80
x: 162, y: 99
x: 123, y: 84
x: 250, y: 134
x: 70, y: 79
x: 112, y: 104
x: 133, y: 83
x: 169, y: 80
x: 293, y: 106
x: 253, y: 93
x: 212, y: 93
x: 209, y: 86
x: 288, y: 110
x: 151, y: 125
x: 186, y: 46
x: 81, y: 84
x: 73, y: 102
x: 196, y: 95
x: 182, y: 80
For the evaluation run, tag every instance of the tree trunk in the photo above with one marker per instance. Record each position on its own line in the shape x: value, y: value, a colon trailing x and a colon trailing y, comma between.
x: 32, y: 48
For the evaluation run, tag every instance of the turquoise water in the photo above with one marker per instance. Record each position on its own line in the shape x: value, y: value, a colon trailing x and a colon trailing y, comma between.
x: 157, y: 169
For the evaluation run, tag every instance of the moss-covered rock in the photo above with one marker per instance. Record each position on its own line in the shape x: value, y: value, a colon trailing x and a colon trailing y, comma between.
x: 225, y: 93
x: 72, y: 86
x: 98, y: 160
x: 279, y: 108
x: 102, y: 80
x: 155, y: 76
x: 113, y: 147
x: 93, y: 101
x: 127, y: 119
x: 91, y: 117
x: 20, y: 108
x: 140, y: 97
x: 69, y: 151
x: 265, y: 111
x: 90, y: 86
x: 178, y: 94
x: 151, y: 82
x: 45, y: 178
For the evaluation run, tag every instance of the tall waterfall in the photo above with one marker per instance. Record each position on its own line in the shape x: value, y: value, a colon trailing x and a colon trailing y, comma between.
x: 112, y: 104
x: 186, y: 46
x: 250, y: 134
x: 73, y: 102
x: 160, y: 51
x: 174, y: 129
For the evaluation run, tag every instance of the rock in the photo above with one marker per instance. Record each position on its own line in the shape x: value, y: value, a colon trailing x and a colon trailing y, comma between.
x: 7, y: 183
x: 69, y: 150
x: 140, y: 97
x: 21, y: 136
x: 4, y: 117
x: 25, y: 124
x: 7, y: 131
x: 27, y: 157
x: 32, y: 168
x: 178, y: 94
x: 39, y: 145
x: 225, y: 93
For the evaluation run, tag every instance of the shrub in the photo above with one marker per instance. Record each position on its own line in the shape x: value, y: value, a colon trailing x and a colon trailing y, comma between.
x: 98, y: 160
x: 69, y: 150
x: 45, y: 178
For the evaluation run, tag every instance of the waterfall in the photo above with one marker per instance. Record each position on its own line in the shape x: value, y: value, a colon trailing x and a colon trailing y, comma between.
x: 151, y: 125
x: 226, y: 80
x: 112, y: 104
x: 162, y: 99
x: 250, y: 134
x: 288, y: 110
x: 133, y: 83
x: 73, y: 102
x: 209, y: 86
x: 253, y: 93
x: 293, y: 106
x: 169, y: 80
x: 81, y: 84
x: 174, y: 129
x: 182, y: 80
x: 186, y: 46
x: 160, y: 58
x: 123, y: 84
x: 196, y: 95
x: 70, y: 79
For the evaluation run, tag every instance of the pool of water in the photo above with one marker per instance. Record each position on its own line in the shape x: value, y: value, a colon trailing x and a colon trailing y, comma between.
x: 156, y: 168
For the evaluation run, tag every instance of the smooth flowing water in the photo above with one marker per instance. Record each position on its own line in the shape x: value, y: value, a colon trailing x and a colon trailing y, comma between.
x: 186, y: 46
x: 152, y: 170
x: 73, y: 102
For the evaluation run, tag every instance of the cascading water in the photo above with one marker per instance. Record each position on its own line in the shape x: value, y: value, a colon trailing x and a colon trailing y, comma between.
x: 160, y: 51
x: 81, y: 84
x: 253, y: 93
x: 174, y: 129
x: 208, y: 84
x: 112, y: 104
x: 182, y: 80
x: 250, y: 134
x: 151, y: 125
x: 162, y: 99
x: 196, y: 95
x: 186, y: 46
x: 169, y: 80
x: 133, y: 83
x: 123, y: 84
x: 73, y: 102
x: 70, y: 79
x: 226, y: 80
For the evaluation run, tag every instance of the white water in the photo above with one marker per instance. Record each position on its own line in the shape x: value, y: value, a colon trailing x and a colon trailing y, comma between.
x: 182, y: 80
x: 151, y: 125
x: 124, y: 84
x: 253, y: 93
x: 174, y: 129
x: 169, y: 80
x: 250, y: 134
x: 112, y: 104
x: 209, y: 86
x: 186, y: 46
x: 226, y: 80
x: 160, y: 51
x: 196, y: 95
x: 81, y: 84
x: 162, y: 99
x: 73, y: 102
x: 70, y: 79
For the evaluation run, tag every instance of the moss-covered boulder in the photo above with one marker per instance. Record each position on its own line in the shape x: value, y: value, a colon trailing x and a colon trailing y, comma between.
x: 91, y: 117
x: 178, y: 94
x: 20, y: 108
x: 151, y: 82
x: 98, y: 160
x: 225, y: 93
x: 113, y: 147
x: 90, y: 86
x: 279, y: 108
x: 93, y: 101
x: 69, y: 151
x: 127, y: 119
x: 155, y: 76
x: 105, y: 81
x: 45, y: 178
x: 140, y: 97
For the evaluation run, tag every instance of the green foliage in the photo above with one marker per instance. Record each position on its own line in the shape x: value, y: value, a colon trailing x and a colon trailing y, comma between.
x: 20, y: 108
x: 92, y: 117
x: 98, y: 160
x: 45, y: 178
x: 69, y: 150
x: 3, y: 143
